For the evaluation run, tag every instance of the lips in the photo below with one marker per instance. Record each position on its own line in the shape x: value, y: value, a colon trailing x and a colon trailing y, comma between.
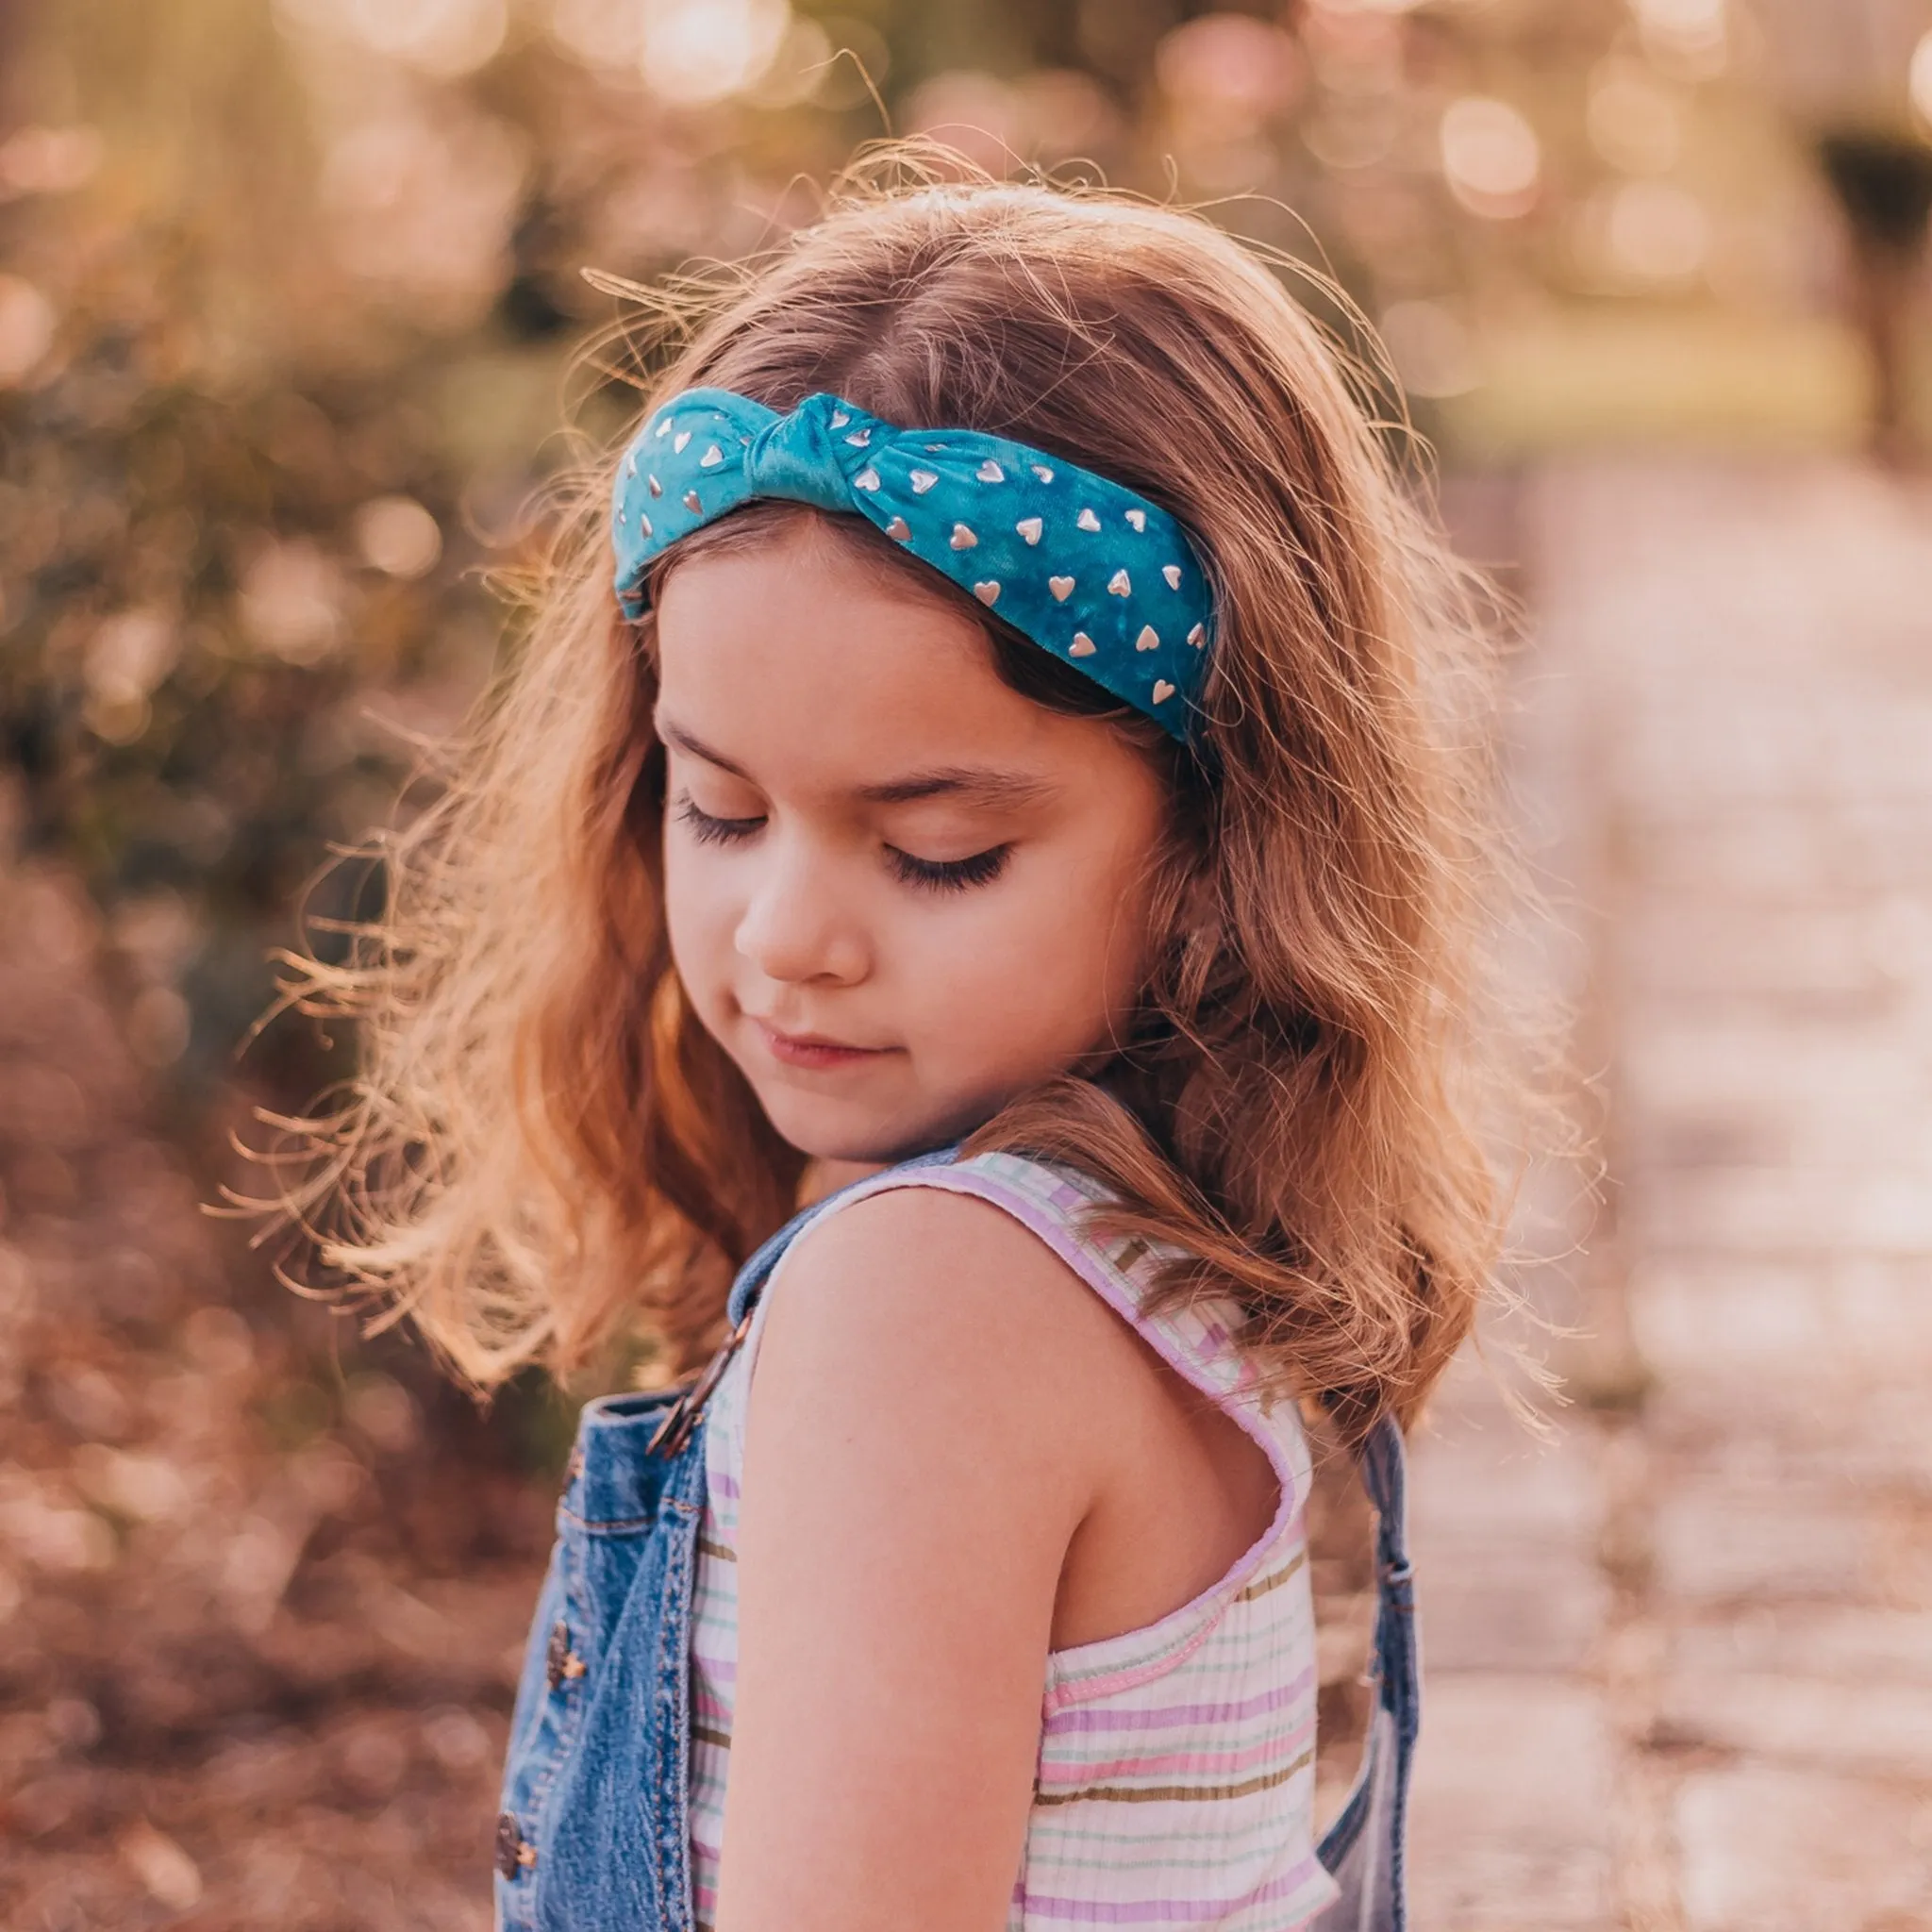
x: 812, y: 1050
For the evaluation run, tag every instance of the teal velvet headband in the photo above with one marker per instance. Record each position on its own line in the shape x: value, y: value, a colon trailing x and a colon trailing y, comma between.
x: 1091, y: 572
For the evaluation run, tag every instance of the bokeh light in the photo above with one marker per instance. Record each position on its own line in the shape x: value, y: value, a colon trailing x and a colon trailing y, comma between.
x: 1231, y: 66
x: 423, y: 203
x: 449, y: 38
x: 1658, y: 231
x: 977, y: 115
x: 700, y: 51
x: 28, y: 323
x: 293, y: 601
x: 446, y: 39
x: 1635, y: 119
x: 1491, y: 157
x: 130, y: 653
x: 1691, y: 35
x: 604, y: 34
x: 397, y: 535
x: 48, y: 161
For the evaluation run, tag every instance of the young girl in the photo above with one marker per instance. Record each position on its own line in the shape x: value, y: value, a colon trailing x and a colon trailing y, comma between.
x: 989, y: 772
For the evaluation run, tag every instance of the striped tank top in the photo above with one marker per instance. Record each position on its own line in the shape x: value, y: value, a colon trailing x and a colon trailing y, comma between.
x: 1175, y: 1786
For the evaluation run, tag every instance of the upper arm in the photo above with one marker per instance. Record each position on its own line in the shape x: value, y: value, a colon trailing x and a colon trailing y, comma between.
x: 915, y: 1467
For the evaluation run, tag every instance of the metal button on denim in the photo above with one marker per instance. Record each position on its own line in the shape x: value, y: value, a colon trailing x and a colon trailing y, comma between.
x: 561, y: 1664
x: 512, y: 1853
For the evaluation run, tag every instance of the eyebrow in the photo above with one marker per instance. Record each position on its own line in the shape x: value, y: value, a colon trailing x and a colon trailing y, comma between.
x: 976, y: 784
x: 972, y: 784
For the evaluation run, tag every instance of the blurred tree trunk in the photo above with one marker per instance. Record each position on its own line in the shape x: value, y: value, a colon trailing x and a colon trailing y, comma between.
x: 1883, y: 183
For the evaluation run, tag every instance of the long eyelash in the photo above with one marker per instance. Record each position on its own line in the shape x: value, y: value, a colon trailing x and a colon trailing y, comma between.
x: 933, y: 875
x: 950, y: 875
x: 708, y: 830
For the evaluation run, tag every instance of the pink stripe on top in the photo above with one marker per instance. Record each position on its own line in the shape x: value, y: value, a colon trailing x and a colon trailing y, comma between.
x: 1175, y: 1781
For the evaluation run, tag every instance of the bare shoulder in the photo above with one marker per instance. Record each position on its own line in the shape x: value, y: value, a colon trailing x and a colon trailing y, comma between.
x: 908, y: 1242
x: 948, y: 1299
x: 932, y: 1373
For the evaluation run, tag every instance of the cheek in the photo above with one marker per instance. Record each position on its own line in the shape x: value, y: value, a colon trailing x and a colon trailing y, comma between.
x: 698, y: 915
x: 1039, y: 977
x: 1101, y: 939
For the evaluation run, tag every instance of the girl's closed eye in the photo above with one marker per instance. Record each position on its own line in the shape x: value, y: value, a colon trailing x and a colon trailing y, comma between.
x: 931, y: 874
x: 713, y: 828
x: 950, y: 875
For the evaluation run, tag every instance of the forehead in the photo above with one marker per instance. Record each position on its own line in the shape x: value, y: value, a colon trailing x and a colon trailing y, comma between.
x: 805, y: 662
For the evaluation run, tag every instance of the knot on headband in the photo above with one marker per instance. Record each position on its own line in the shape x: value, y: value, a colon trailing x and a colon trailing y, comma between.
x: 1087, y: 568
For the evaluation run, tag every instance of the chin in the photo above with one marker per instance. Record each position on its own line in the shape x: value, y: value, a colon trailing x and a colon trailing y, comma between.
x: 826, y: 1129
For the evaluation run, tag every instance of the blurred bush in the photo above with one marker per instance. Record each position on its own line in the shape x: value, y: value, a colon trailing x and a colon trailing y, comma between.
x: 293, y: 289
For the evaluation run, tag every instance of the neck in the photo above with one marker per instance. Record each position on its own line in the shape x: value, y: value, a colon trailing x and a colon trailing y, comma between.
x: 823, y: 1178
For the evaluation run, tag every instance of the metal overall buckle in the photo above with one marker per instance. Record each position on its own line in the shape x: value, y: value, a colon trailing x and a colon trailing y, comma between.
x: 681, y: 1418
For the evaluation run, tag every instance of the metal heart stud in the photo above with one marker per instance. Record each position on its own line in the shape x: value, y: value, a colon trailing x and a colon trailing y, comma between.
x: 868, y: 479
x: 678, y: 441
x: 962, y: 538
x: 1088, y: 521
x: 1162, y: 690
x: 923, y: 480
x: 1138, y: 518
x: 1029, y: 528
x: 860, y: 437
x: 1041, y: 471
x: 711, y: 458
x: 1082, y: 645
x: 898, y: 529
x: 630, y: 464
x: 1120, y: 585
x: 656, y: 487
x: 988, y: 593
x: 1171, y: 572
x: 644, y: 524
x: 1198, y: 635
x: 1149, y: 638
x: 989, y: 471
x: 691, y: 503
x: 1062, y: 588
x: 839, y: 419
x: 663, y: 429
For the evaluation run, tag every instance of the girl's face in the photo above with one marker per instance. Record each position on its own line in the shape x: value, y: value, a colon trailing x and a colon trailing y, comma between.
x: 899, y: 893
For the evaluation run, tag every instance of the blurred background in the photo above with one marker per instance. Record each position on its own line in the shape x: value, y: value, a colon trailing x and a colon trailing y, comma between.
x: 291, y: 314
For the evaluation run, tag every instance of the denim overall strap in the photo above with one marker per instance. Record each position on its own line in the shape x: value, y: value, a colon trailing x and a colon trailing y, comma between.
x: 594, y: 1830
x: 1365, y: 1848
x: 758, y: 1271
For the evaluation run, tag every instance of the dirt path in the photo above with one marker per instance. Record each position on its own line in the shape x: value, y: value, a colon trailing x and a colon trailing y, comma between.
x: 1681, y: 1664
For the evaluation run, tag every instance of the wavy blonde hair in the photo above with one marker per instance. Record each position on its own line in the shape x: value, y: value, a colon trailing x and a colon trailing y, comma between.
x: 544, y: 1149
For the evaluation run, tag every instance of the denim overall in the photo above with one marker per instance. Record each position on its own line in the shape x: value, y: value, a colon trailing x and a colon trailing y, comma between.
x: 595, y: 1833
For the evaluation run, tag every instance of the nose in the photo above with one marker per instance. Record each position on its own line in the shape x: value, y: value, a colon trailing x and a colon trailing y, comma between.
x: 793, y: 928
